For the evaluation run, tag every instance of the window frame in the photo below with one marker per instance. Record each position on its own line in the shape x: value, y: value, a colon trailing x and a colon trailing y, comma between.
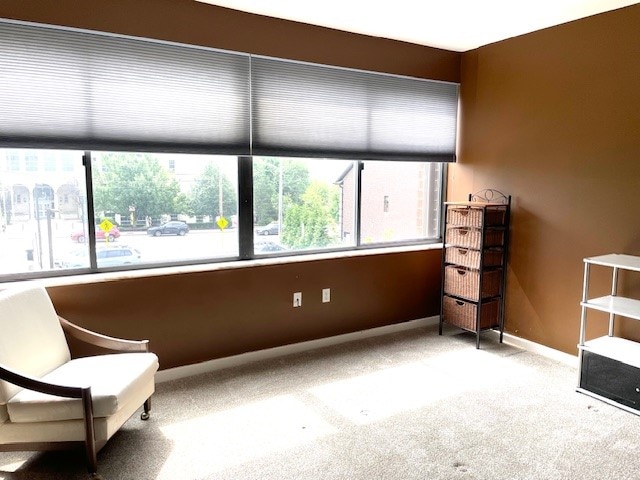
x: 245, y: 229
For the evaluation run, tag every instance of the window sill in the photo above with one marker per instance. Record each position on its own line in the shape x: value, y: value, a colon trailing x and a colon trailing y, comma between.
x: 210, y: 267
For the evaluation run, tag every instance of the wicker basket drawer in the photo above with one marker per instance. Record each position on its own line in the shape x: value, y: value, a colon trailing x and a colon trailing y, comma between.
x: 466, y: 283
x: 470, y: 237
x: 463, y: 314
x: 470, y: 216
x: 471, y: 258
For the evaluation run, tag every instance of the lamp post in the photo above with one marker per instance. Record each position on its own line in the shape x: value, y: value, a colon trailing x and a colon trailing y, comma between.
x: 3, y: 207
x: 50, y: 212
x: 39, y: 231
x: 280, y: 193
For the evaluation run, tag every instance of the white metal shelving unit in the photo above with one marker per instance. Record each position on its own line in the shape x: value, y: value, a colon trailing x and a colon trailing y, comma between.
x: 609, y: 365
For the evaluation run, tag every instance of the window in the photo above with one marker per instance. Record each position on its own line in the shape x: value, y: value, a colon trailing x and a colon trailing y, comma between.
x: 31, y: 163
x: 414, y: 213
x: 36, y: 225
x: 145, y: 214
x: 165, y: 216
x: 13, y: 162
x: 299, y: 204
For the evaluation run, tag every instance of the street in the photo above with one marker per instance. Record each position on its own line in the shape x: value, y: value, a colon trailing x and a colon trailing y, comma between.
x: 25, y: 248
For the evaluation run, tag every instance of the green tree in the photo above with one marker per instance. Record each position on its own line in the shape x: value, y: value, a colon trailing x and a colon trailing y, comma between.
x: 266, y: 185
x: 309, y: 224
x: 205, y: 196
x: 124, y: 180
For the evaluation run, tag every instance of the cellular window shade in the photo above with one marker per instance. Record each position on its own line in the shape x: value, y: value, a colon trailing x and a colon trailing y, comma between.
x: 74, y: 89
x: 309, y: 110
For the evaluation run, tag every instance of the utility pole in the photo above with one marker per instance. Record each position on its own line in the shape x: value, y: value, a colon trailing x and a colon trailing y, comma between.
x: 49, y: 236
x: 280, y: 191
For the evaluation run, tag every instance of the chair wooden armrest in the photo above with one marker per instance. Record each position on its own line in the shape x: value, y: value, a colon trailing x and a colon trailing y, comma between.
x: 31, y: 383
x: 83, y: 393
x: 104, y: 341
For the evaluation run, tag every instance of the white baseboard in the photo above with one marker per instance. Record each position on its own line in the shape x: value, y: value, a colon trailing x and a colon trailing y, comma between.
x: 269, y: 353
x: 552, y: 353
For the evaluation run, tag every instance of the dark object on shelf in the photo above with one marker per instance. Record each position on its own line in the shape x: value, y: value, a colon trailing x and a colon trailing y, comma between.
x: 610, y: 379
x: 474, y: 262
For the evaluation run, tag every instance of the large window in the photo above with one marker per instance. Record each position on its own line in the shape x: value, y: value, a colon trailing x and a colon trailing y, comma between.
x: 150, y: 209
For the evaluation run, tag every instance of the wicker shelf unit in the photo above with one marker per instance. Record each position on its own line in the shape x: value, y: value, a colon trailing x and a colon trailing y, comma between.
x: 474, y: 262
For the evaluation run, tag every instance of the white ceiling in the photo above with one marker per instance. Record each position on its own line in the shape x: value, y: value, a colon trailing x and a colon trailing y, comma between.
x: 458, y: 25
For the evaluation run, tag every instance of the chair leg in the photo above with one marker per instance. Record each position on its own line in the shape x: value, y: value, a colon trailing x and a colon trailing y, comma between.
x: 147, y: 408
x: 90, y: 438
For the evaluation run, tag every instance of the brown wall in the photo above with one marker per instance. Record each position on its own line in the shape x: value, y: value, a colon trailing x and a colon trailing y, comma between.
x: 201, y: 316
x: 552, y: 118
x: 195, y: 317
x: 188, y: 21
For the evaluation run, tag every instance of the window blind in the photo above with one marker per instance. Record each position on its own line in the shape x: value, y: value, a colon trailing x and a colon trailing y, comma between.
x: 309, y: 110
x: 65, y: 88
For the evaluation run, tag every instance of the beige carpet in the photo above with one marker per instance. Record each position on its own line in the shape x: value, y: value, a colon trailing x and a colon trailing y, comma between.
x: 409, y: 405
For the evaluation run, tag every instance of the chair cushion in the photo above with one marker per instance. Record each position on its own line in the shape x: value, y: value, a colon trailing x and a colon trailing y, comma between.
x: 32, y: 341
x: 113, y: 378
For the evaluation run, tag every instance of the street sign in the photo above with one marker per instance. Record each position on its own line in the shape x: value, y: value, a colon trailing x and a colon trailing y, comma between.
x: 222, y: 223
x: 106, y: 225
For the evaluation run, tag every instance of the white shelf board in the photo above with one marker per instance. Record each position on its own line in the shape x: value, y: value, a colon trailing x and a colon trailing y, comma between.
x: 625, y: 307
x: 616, y: 348
x: 619, y: 260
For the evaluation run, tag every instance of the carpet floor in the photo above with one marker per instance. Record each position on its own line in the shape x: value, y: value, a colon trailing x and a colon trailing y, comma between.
x: 407, y: 405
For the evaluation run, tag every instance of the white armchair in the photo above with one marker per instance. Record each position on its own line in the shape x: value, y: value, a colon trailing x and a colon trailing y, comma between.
x: 50, y: 401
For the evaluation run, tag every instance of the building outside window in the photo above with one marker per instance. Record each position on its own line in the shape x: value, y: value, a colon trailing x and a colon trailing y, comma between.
x: 36, y: 224
x: 50, y: 162
x: 414, y: 214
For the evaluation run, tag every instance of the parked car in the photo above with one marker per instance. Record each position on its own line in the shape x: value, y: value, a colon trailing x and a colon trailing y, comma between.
x: 80, y: 236
x: 106, y: 256
x: 267, y: 247
x: 174, y: 227
x: 272, y: 228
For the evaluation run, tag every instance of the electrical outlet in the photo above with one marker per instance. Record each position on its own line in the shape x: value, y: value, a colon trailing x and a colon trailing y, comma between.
x: 326, y: 295
x: 297, y: 299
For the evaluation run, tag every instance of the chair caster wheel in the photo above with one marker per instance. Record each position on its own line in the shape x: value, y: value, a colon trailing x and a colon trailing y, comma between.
x: 144, y: 416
